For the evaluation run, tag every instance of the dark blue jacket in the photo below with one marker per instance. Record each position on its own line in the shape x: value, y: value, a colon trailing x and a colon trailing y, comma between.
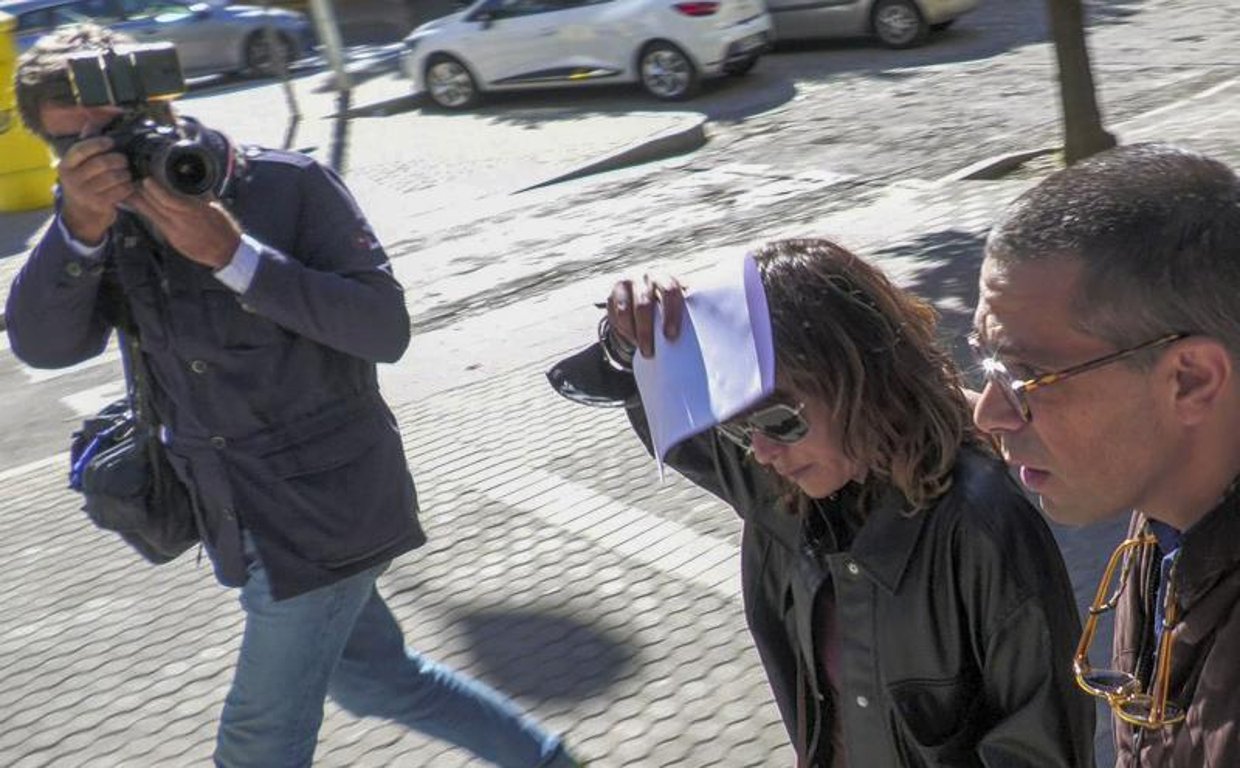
x: 269, y: 399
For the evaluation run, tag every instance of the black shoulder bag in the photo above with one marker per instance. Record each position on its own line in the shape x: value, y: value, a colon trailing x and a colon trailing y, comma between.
x: 118, y: 464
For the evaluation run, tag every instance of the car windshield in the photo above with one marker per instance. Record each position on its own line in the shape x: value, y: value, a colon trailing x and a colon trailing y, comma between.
x: 97, y: 11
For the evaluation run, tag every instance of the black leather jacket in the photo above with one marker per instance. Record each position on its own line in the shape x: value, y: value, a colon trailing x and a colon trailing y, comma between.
x: 957, y: 624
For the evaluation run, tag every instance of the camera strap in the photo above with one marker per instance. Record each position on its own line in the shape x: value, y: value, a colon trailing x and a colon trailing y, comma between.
x: 137, y: 375
x: 138, y: 384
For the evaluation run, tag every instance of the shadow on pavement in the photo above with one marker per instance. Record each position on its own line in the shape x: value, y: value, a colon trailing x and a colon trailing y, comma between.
x: 721, y: 99
x: 947, y: 265
x: 994, y: 28
x: 18, y: 229
x: 545, y: 656
x: 396, y: 106
x: 725, y: 98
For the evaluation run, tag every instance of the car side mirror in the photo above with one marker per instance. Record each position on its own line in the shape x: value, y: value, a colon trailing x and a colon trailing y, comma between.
x: 483, y: 17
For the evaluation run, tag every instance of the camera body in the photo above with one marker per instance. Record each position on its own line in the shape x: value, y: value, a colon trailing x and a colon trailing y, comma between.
x: 126, y: 77
x: 134, y: 78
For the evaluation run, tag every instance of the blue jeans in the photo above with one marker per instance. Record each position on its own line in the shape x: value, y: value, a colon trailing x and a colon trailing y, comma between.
x: 344, y: 641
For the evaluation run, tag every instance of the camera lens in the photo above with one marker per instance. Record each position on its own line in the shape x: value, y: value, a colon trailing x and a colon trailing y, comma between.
x: 187, y: 168
x: 181, y: 165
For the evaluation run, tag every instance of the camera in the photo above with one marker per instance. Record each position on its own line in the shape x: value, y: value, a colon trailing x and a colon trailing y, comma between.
x: 135, y: 78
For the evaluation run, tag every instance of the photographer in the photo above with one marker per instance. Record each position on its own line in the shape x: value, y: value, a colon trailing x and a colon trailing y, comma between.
x: 261, y: 308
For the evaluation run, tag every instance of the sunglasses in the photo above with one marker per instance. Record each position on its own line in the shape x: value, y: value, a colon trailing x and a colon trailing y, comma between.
x: 1122, y: 690
x: 780, y: 422
x: 1017, y: 390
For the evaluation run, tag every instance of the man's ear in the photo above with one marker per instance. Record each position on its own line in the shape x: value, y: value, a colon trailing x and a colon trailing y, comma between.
x: 1204, y: 373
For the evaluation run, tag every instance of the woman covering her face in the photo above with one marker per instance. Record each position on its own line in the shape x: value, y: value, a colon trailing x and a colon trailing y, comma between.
x: 896, y: 582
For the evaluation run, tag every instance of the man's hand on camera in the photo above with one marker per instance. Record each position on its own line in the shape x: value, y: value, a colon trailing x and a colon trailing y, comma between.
x: 93, y: 180
x: 630, y: 310
x: 201, y: 230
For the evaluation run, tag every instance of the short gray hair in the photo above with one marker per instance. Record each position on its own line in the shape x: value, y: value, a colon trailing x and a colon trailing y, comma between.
x: 1156, y: 229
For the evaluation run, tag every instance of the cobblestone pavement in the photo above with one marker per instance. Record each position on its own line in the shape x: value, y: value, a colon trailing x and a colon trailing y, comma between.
x: 841, y: 127
x: 614, y: 613
x: 558, y: 568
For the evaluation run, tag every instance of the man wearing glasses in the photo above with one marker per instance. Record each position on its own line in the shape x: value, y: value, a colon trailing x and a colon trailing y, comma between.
x: 1108, y: 329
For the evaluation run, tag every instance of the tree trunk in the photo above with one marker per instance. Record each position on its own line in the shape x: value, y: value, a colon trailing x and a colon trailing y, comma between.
x: 1082, y: 123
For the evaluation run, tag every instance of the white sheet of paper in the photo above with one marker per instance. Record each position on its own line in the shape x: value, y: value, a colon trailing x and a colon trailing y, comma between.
x: 722, y: 363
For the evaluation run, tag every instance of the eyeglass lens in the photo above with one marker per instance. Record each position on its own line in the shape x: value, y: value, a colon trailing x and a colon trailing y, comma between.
x: 781, y: 423
x: 1122, y: 690
x: 994, y: 371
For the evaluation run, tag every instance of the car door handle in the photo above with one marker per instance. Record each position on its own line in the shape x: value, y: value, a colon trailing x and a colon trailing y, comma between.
x: 547, y: 32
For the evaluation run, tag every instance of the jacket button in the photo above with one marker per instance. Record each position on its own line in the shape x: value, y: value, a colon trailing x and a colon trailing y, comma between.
x: 853, y: 570
x: 228, y: 513
x: 218, y: 442
x: 198, y: 366
x: 73, y: 269
x: 863, y: 702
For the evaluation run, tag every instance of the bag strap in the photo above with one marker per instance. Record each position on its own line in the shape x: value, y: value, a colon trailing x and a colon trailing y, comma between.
x: 133, y: 361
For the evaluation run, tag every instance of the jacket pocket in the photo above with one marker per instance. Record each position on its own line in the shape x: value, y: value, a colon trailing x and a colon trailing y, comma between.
x: 937, y: 717
x: 234, y: 324
x: 340, y: 498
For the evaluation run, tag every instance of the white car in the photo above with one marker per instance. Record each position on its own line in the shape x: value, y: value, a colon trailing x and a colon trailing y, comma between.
x: 896, y: 23
x: 668, y: 46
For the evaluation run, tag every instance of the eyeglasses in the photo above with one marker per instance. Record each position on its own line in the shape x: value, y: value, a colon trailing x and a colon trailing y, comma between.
x: 1017, y: 390
x: 780, y: 422
x: 1122, y: 690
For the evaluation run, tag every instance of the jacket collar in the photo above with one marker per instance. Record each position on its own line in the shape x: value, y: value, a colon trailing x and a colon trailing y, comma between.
x: 1208, y: 550
x: 885, y: 544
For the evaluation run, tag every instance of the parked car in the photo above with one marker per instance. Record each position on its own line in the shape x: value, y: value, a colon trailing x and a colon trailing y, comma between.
x: 895, y: 23
x: 208, y: 39
x: 668, y: 46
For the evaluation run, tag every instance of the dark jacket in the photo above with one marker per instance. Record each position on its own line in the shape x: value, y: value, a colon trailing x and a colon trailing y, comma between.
x: 269, y: 399
x: 1205, y: 652
x: 957, y: 624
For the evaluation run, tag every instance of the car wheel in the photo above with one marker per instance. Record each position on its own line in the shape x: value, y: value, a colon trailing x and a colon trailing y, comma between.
x: 449, y: 83
x: 898, y: 23
x: 742, y: 67
x: 259, y: 60
x: 666, y: 72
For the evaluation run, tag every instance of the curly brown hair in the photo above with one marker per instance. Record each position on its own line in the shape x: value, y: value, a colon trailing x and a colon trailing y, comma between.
x: 845, y: 334
x: 43, y: 71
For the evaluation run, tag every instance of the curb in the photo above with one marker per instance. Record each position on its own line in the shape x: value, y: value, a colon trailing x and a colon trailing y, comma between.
x: 996, y: 167
x: 672, y: 142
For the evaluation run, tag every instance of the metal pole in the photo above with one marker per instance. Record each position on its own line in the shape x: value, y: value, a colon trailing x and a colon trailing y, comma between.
x: 278, y: 55
x: 329, y: 34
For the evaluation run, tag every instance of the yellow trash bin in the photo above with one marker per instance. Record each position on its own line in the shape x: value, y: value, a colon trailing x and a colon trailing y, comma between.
x: 26, y: 170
